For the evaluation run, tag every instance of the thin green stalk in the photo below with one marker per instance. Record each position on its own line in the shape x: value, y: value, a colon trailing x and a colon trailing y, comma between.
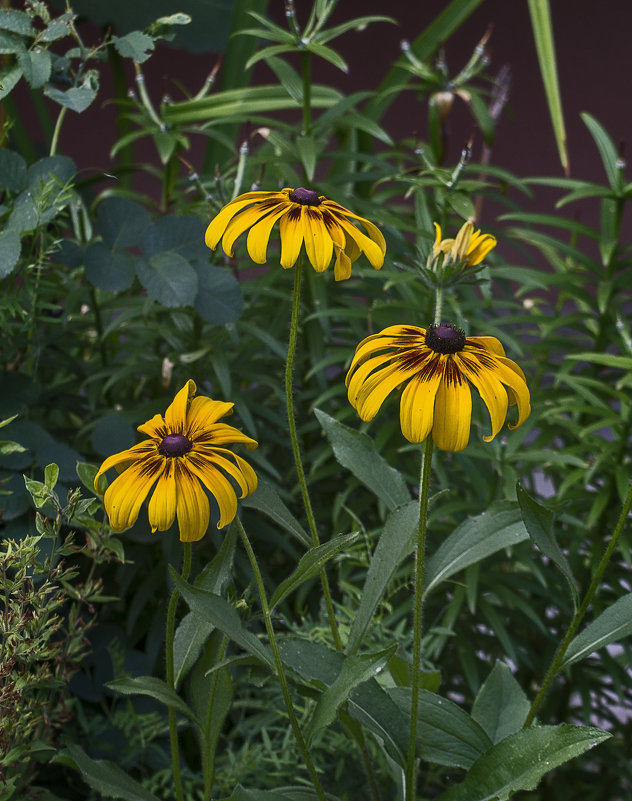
x: 208, y: 757
x: 169, y: 636
x: 278, y: 662
x: 438, y: 305
x: 424, y: 485
x: 579, y: 615
x: 296, y: 451
x: 57, y: 130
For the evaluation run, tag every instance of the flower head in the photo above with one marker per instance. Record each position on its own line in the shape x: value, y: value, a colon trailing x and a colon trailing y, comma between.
x: 304, y: 217
x: 469, y: 247
x: 185, y: 451
x: 437, y: 366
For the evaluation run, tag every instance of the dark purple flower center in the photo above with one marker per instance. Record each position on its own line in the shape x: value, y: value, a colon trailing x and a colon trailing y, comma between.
x: 175, y: 445
x: 306, y: 197
x: 445, y: 338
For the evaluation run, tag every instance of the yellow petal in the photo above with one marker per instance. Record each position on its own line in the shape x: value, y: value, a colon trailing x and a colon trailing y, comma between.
x: 126, y: 458
x: 342, y: 267
x: 486, y: 380
x: 192, y: 506
x: 242, y: 222
x: 372, y: 251
x: 291, y: 233
x: 154, y: 428
x: 162, y: 505
x: 241, y: 472
x: 462, y: 242
x: 318, y: 244
x: 204, y: 412
x: 512, y: 376
x: 416, y: 410
x: 259, y: 234
x: 221, y: 489
x: 374, y: 232
x: 436, y: 248
x: 480, y: 246
x: 486, y: 343
x: 218, y: 224
x: 176, y: 414
x: 223, y: 434
x: 378, y: 386
x: 452, y: 411
x: 361, y: 371
x: 125, y: 495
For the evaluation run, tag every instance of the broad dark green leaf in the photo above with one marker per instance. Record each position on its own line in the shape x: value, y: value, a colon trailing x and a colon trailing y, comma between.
x: 112, y: 270
x: 168, y: 278
x: 135, y: 45
x: 77, y: 98
x: 222, y: 615
x: 446, y: 734
x: 396, y: 542
x: 12, y: 170
x: 154, y: 688
x: 10, y: 249
x: 310, y: 565
x: 121, y: 222
x: 499, y: 527
x: 219, y: 298
x: 356, y: 452
x: 539, y: 523
x: 520, y: 761
x: 501, y: 706
x: 103, y: 776
x: 612, y: 625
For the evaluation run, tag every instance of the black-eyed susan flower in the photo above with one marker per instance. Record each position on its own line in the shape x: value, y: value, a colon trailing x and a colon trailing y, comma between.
x: 305, y: 218
x: 469, y: 247
x: 435, y: 367
x: 185, y: 452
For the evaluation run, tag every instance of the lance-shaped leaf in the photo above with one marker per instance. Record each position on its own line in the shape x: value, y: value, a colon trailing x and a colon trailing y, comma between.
x: 612, y: 625
x: 310, y: 565
x: 154, y: 688
x: 501, y: 706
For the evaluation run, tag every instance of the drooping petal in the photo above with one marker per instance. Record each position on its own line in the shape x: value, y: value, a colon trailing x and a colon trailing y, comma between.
x: 125, y: 495
x: 490, y: 388
x: 342, y: 267
x: 123, y: 460
x: 512, y: 376
x: 453, y: 410
x: 249, y: 217
x: 480, y: 246
x: 485, y: 343
x: 219, y: 486
x: 218, y: 224
x: 162, y: 504
x: 192, y: 507
x: 371, y: 249
x: 259, y: 234
x: 223, y: 434
x: 378, y: 386
x: 318, y: 244
x: 176, y: 414
x: 374, y: 232
x: 241, y: 472
x: 404, y: 337
x: 416, y: 409
x: 362, y: 370
x: 291, y: 231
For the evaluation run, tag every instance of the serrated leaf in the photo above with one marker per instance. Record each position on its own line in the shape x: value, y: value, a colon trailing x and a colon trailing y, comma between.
x: 501, y: 526
x: 219, y: 298
x: 501, y: 706
x: 10, y: 250
x: 77, y: 98
x: 356, y: 452
x: 111, y: 270
x: 612, y: 625
x: 121, y: 222
x: 12, y: 170
x: 103, y: 776
x: 519, y: 761
x: 9, y: 76
x: 135, y: 45
x: 397, y: 540
x: 310, y: 565
x: 539, y: 523
x: 16, y: 21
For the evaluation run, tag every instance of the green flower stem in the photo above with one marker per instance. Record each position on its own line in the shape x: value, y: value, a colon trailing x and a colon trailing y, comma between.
x: 208, y: 756
x: 291, y: 419
x: 579, y: 614
x: 278, y: 662
x: 170, y: 633
x: 55, y: 140
x: 438, y: 305
x: 424, y: 485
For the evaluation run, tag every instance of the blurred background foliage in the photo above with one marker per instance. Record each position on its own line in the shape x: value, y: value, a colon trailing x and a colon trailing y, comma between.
x: 111, y: 301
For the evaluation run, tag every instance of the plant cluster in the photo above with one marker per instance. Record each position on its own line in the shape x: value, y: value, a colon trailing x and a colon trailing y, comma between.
x: 415, y: 583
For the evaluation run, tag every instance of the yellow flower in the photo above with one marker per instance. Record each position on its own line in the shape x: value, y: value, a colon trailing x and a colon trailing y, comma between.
x: 185, y: 451
x: 437, y: 366
x: 305, y: 217
x: 470, y: 246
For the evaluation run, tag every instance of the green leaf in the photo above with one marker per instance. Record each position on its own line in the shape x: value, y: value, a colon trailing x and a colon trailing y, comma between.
x: 606, y: 359
x: 539, y: 523
x: 111, y: 270
x: 111, y: 433
x: 310, y: 565
x: 154, y: 688
x: 519, y: 761
x: 77, y: 98
x: 57, y: 29
x: 501, y: 526
x: 545, y: 46
x: 265, y: 499
x: 356, y: 452
x: 135, y: 45
x: 86, y: 473
x: 607, y: 150
x: 308, y: 152
x: 12, y: 170
x: 121, y: 222
x: 219, y: 298
x: 194, y: 630
x: 397, y: 540
x: 169, y: 279
x: 9, y: 76
x: 223, y: 616
x: 103, y: 776
x: 37, y: 490
x: 51, y: 474
x: 446, y: 734
x: 355, y: 670
x: 16, y: 21
x: 10, y: 250
x: 612, y: 625
x: 36, y: 66
x: 501, y: 706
